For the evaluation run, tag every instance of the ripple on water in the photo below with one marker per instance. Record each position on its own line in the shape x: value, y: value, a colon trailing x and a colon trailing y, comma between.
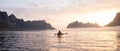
x: 47, y: 41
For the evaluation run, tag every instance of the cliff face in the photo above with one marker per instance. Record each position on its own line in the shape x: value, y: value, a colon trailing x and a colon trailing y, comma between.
x: 116, y: 21
x: 80, y: 24
x: 4, y: 21
x: 4, y: 16
x: 39, y: 24
x: 11, y: 22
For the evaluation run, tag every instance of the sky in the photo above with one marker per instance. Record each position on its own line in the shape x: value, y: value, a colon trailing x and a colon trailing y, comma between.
x: 59, y: 13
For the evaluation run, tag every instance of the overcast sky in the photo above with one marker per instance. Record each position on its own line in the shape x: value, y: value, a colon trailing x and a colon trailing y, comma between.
x: 58, y: 11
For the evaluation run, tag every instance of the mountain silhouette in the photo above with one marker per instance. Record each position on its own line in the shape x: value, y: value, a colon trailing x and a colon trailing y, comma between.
x: 77, y: 24
x: 11, y: 22
x: 116, y: 21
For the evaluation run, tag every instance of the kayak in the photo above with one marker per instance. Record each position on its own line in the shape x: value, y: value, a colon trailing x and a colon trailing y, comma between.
x: 61, y: 33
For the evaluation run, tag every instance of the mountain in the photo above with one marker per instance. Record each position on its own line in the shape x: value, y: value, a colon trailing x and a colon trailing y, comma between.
x: 77, y: 24
x: 39, y: 24
x: 116, y: 21
x: 11, y: 22
x: 4, y: 21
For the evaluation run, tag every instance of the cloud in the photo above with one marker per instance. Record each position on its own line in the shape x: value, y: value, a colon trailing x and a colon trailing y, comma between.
x: 57, y: 10
x: 45, y: 8
x: 33, y: 4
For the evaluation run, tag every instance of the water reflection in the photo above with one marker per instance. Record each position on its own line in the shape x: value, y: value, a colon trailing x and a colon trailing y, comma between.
x: 18, y: 41
x: 59, y: 41
x: 47, y: 41
x: 7, y: 41
x: 118, y: 41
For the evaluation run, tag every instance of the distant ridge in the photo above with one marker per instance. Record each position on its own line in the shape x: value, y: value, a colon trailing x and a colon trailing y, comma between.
x: 116, y: 21
x: 77, y: 24
x: 11, y: 22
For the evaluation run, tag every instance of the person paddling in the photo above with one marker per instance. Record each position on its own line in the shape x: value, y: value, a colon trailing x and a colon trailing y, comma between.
x: 59, y: 33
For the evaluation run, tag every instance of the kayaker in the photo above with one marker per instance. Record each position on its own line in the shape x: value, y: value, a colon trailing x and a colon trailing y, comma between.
x: 59, y: 33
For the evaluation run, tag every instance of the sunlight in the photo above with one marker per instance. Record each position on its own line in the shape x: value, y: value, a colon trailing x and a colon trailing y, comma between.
x: 101, y: 18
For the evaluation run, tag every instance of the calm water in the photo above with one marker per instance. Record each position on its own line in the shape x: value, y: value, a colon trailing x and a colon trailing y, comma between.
x: 88, y: 39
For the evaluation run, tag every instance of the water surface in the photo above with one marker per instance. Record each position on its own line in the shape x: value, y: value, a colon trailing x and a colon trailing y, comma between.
x: 83, y: 39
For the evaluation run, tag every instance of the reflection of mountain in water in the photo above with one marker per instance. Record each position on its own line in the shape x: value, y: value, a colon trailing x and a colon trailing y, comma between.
x: 17, y: 41
x: 11, y: 22
x: 116, y: 21
x: 118, y: 41
x: 80, y: 24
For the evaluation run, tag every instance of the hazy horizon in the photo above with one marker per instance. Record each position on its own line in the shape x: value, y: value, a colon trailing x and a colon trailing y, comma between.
x: 60, y: 13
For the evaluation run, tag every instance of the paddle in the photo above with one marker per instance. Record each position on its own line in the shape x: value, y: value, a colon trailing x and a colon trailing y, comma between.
x: 61, y: 34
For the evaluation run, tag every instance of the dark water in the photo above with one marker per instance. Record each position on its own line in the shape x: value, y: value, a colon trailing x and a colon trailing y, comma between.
x: 88, y: 39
